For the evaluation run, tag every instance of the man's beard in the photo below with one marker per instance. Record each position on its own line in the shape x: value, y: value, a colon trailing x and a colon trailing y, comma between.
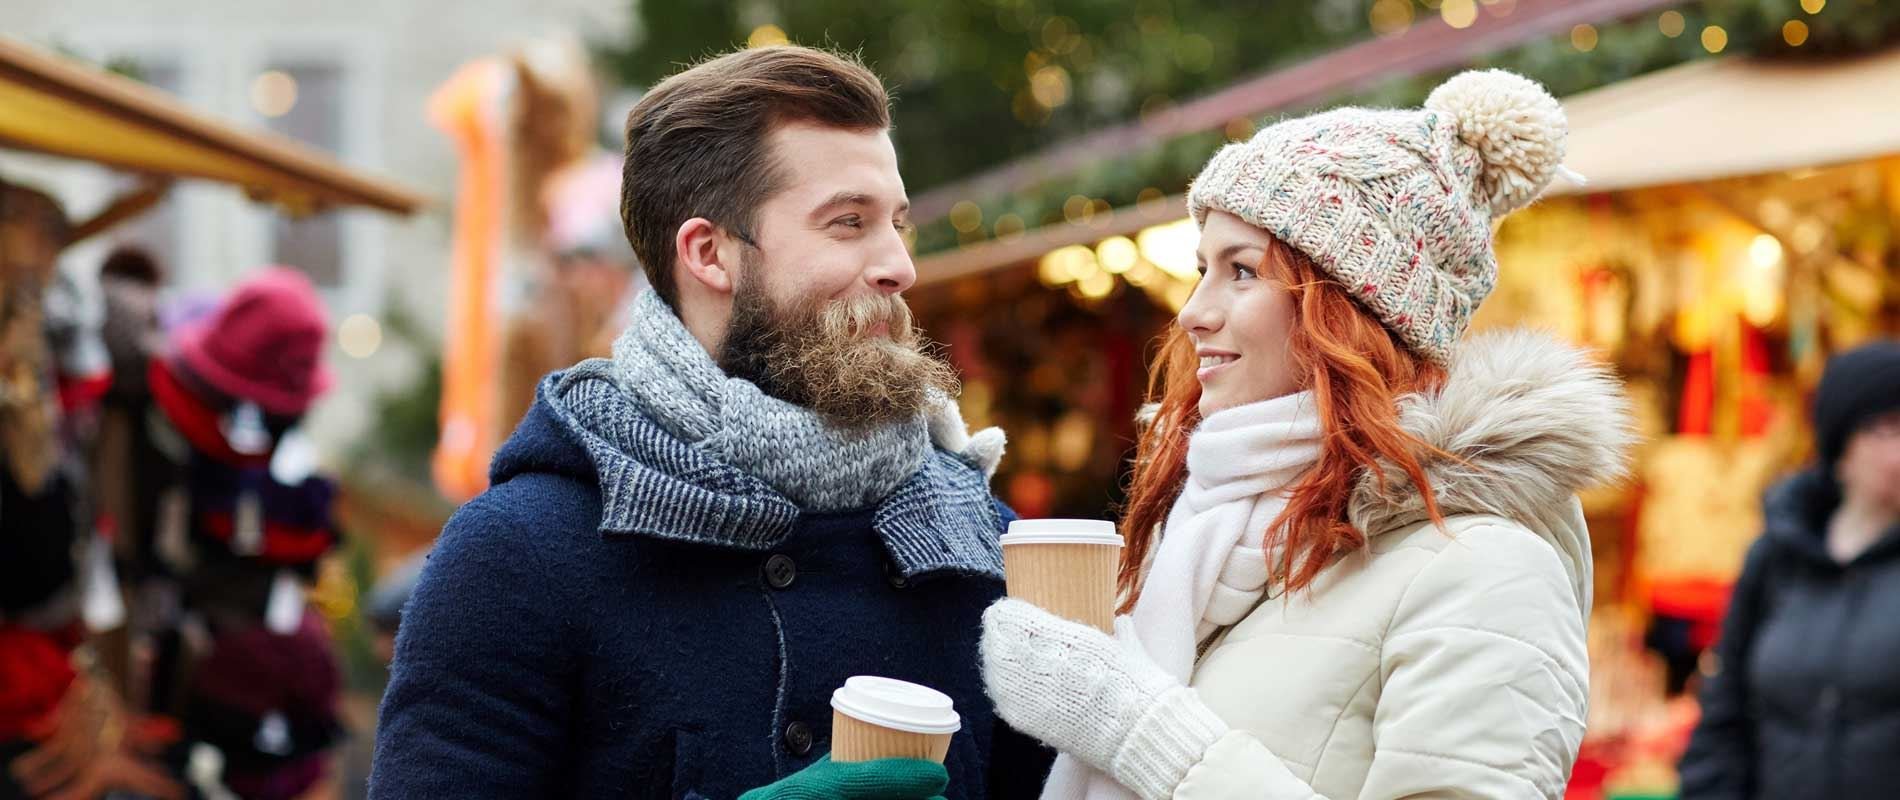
x: 821, y: 354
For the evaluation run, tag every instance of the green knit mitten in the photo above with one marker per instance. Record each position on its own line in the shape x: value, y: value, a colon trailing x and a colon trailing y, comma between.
x: 884, y: 779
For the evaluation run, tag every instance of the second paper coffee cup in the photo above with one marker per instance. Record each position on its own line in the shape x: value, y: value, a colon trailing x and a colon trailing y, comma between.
x: 1064, y: 566
x: 873, y: 718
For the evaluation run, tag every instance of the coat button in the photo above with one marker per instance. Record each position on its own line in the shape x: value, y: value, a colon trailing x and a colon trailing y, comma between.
x: 798, y: 738
x: 896, y: 578
x: 780, y: 571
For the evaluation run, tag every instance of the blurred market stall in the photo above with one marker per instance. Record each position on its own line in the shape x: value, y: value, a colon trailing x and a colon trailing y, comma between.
x: 1741, y: 222
x: 167, y: 456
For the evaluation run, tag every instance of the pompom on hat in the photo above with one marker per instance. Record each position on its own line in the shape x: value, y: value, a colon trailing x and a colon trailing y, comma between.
x: 1397, y: 205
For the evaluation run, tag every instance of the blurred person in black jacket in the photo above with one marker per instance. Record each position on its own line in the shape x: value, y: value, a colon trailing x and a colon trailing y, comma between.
x: 1801, y: 697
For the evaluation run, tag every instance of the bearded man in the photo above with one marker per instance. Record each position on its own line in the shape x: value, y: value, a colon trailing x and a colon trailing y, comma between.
x: 766, y: 490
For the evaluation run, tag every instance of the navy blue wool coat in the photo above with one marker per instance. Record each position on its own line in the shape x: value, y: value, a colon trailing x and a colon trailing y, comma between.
x: 621, y: 615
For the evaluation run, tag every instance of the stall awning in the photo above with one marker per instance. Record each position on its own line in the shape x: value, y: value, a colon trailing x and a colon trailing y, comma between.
x: 1733, y: 117
x: 50, y: 104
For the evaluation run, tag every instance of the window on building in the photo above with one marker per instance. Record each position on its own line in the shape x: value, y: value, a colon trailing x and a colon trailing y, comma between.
x: 304, y: 101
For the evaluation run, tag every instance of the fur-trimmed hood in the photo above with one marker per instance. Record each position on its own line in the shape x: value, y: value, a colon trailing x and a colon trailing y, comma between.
x: 1523, y: 423
x: 1527, y: 421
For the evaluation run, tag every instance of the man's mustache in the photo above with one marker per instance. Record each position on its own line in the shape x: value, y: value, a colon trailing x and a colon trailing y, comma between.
x: 857, y: 316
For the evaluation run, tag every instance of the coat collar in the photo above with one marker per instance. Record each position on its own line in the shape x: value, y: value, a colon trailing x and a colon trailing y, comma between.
x: 1795, y: 514
x: 1521, y: 425
x: 941, y: 519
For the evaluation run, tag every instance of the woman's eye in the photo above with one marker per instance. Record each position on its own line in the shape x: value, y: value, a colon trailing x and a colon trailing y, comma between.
x: 1244, y: 272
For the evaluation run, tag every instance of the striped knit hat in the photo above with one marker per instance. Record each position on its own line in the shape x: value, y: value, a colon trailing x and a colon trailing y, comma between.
x: 1397, y: 205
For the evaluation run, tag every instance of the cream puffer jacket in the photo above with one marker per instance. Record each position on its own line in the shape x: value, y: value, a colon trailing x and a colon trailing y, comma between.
x: 1436, y: 663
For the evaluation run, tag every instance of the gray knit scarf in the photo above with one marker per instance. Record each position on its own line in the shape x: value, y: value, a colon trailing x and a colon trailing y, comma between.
x: 815, y: 464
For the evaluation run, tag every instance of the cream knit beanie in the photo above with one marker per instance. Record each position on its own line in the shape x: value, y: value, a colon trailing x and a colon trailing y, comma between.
x: 1397, y: 205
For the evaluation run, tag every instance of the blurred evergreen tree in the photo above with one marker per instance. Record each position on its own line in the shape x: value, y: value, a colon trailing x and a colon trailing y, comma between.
x: 979, y: 82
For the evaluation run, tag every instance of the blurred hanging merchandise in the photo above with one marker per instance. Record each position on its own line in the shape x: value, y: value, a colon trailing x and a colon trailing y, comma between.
x: 540, y: 267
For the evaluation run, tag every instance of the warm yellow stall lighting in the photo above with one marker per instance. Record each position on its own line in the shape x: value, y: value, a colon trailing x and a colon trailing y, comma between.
x: 1117, y: 254
x: 1794, y: 32
x: 1142, y: 274
x: 1671, y: 23
x: 966, y: 216
x: 1584, y: 38
x: 1390, y: 17
x: 1171, y: 247
x: 1809, y: 234
x: 1066, y: 265
x: 1459, y: 13
x: 1096, y: 285
x: 1009, y: 226
x: 1765, y: 251
x: 1075, y: 207
x: 1050, y: 86
x: 1053, y: 269
x: 1081, y: 263
x: 1714, y: 39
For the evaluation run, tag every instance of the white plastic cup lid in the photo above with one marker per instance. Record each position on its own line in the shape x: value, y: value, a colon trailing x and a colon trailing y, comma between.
x: 895, y: 704
x: 1061, y: 531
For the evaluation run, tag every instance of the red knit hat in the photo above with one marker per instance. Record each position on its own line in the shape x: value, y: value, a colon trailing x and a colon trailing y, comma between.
x: 264, y: 344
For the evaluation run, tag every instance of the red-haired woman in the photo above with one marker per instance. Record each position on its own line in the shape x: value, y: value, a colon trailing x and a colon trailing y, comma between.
x: 1356, y: 567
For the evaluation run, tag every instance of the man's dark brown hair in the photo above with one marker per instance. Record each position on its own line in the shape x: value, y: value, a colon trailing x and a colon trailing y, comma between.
x: 697, y: 144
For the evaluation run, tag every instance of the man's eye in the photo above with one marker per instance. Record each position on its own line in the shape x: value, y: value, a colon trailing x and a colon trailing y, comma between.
x: 850, y: 222
x: 904, y: 226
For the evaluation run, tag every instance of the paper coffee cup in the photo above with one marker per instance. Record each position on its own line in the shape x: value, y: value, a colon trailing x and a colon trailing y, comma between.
x: 1065, y: 566
x: 873, y: 718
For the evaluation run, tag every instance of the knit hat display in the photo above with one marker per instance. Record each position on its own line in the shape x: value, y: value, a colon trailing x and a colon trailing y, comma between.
x: 193, y: 417
x: 1856, y: 387
x: 264, y: 344
x: 265, y: 700
x: 35, y: 671
x: 1397, y: 205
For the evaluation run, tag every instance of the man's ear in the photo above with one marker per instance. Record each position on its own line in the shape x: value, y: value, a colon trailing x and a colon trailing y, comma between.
x: 707, y: 255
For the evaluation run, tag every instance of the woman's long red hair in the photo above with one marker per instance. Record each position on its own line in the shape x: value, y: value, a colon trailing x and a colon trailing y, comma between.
x: 1357, y: 371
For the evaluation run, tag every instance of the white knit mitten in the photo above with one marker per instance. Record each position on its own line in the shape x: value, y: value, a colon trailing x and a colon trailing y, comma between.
x: 1098, y: 699
x: 983, y: 449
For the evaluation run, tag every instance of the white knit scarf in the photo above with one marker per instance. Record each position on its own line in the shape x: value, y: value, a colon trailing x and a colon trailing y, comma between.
x: 1210, y: 570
